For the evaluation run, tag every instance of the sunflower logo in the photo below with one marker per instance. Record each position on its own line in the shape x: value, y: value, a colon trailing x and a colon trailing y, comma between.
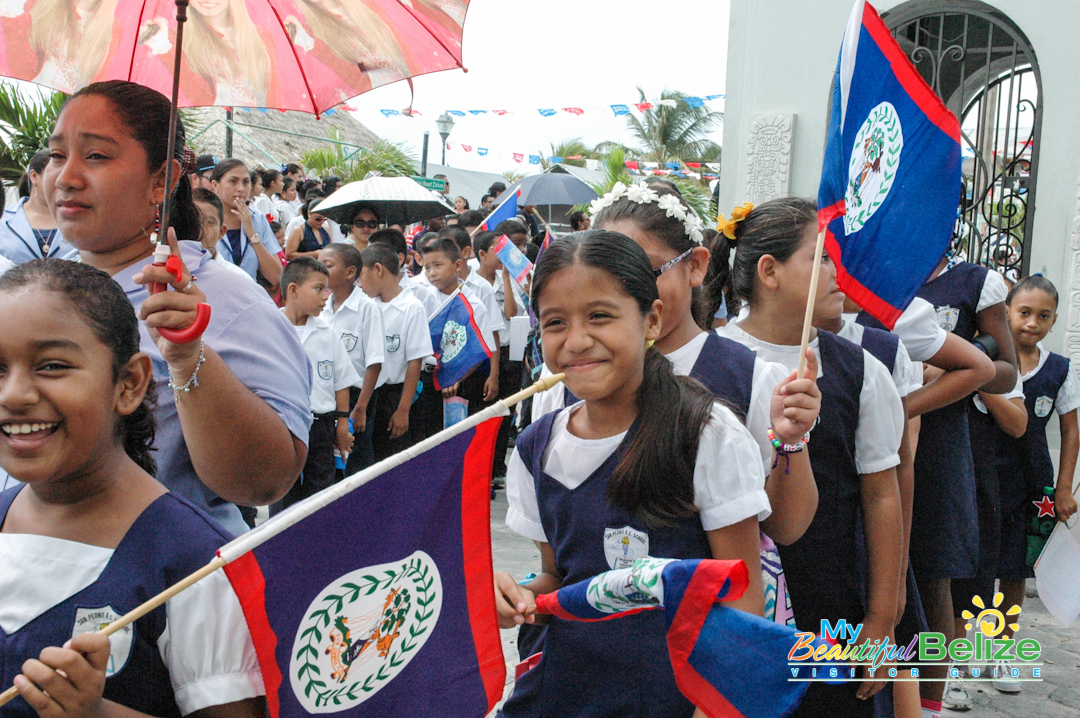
x: 991, y: 621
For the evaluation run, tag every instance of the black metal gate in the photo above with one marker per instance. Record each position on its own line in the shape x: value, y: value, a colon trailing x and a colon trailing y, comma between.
x: 980, y: 63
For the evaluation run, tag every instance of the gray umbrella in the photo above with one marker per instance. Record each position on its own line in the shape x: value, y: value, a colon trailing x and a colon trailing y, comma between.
x: 552, y: 188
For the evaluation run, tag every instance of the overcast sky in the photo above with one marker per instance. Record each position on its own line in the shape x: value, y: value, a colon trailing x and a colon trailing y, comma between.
x: 522, y: 55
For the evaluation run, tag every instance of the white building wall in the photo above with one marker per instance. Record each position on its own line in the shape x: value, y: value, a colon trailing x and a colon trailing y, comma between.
x: 781, y: 58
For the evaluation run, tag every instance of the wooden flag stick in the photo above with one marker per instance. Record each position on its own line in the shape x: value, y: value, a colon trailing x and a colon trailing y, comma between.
x: 546, y: 225
x: 265, y: 531
x: 808, y: 318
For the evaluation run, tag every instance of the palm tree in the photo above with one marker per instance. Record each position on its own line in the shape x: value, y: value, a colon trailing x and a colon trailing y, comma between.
x: 573, y: 147
x: 25, y: 125
x: 674, y: 134
x: 390, y: 159
x: 513, y: 176
x: 695, y: 194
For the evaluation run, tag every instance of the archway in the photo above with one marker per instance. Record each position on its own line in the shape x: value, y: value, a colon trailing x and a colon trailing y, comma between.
x: 983, y: 67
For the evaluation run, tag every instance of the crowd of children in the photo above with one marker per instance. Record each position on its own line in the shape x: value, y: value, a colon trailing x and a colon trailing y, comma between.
x: 897, y: 476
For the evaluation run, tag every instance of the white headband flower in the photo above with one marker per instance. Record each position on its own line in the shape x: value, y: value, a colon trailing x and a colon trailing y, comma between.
x: 643, y: 194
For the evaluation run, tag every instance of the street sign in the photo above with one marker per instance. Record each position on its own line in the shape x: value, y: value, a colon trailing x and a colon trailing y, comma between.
x: 436, y: 184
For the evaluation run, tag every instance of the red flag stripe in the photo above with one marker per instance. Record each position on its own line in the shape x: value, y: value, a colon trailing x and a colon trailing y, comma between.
x: 859, y: 293
x: 476, y: 545
x: 248, y: 582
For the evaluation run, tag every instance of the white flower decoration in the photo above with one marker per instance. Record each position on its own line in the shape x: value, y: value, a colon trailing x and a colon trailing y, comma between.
x: 670, y: 204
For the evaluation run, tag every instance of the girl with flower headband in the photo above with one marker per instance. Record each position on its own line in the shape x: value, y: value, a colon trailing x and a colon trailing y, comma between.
x: 855, y: 444
x: 764, y: 394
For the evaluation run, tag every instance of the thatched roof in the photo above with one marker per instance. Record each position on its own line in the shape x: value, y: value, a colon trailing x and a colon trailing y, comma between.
x: 283, y: 148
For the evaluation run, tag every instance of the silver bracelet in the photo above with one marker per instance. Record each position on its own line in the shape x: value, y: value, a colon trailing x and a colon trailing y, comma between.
x: 193, y: 382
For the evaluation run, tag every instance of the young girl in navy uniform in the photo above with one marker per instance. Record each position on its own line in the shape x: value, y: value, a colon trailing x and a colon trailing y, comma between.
x: 968, y: 299
x: 1030, y: 499
x: 853, y: 448
x: 92, y: 535
x: 648, y: 464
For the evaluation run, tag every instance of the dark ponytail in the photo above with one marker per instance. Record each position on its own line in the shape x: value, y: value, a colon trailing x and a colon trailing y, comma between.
x: 775, y: 228
x: 38, y: 162
x: 146, y: 113
x: 654, y: 480
x: 102, y: 304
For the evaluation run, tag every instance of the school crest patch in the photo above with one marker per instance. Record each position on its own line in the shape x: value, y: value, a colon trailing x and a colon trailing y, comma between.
x: 979, y: 403
x: 623, y: 545
x: 393, y: 342
x: 89, y: 620
x: 326, y: 370
x: 454, y: 339
x: 349, y: 340
x: 1043, y: 405
x: 362, y: 630
x: 947, y: 317
x: 875, y: 158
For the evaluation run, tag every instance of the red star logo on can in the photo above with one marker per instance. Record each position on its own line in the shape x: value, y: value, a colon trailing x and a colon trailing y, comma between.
x: 1045, y: 506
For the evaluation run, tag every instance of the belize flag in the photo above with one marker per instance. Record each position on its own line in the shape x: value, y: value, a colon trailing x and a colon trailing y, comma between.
x: 512, y: 259
x: 727, y: 662
x: 380, y: 601
x: 507, y: 210
x: 459, y: 345
x: 548, y: 239
x: 891, y: 179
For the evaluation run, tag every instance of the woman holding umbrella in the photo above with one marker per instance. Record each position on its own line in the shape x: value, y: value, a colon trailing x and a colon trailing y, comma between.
x: 239, y: 398
x: 362, y: 226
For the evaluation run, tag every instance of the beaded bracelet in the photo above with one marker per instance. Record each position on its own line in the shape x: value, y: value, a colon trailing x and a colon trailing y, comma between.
x: 193, y: 382
x: 782, y: 448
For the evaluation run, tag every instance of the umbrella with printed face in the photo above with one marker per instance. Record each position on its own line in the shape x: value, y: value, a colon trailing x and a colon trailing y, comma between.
x: 284, y: 54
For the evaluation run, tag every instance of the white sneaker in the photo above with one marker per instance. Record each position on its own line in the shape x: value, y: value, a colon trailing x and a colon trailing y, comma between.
x: 1005, y: 682
x: 956, y: 697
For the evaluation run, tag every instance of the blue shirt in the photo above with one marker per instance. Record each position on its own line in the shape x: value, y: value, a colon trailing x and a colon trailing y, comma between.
x: 258, y: 345
x: 247, y: 259
x: 17, y: 240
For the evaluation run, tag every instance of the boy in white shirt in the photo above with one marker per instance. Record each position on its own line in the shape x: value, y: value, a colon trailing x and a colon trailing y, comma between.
x: 305, y: 281
x: 407, y: 344
x: 442, y: 263
x: 479, y: 286
x: 358, y: 323
x: 395, y: 240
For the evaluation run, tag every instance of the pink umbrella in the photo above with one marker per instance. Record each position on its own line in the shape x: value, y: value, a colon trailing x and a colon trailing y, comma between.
x: 286, y: 54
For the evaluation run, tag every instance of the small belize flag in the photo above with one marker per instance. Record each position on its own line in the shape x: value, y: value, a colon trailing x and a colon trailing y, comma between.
x: 512, y: 259
x: 548, y: 239
x: 507, y: 210
x: 891, y: 178
x: 459, y: 346
x: 729, y: 663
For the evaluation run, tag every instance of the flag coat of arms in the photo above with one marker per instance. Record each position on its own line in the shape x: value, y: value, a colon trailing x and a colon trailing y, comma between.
x: 507, y: 210
x: 381, y: 603
x: 727, y: 662
x: 891, y: 179
x: 459, y: 345
x: 512, y: 259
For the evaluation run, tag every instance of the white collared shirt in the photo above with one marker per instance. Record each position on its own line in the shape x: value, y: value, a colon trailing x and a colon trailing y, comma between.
x: 332, y: 370
x: 358, y: 323
x: 407, y: 336
x: 486, y: 295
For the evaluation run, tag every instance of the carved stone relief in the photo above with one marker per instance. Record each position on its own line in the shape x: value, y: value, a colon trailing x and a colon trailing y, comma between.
x: 769, y: 150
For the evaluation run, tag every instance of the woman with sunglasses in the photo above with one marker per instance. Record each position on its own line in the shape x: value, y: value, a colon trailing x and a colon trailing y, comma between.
x: 362, y: 227
x: 305, y: 240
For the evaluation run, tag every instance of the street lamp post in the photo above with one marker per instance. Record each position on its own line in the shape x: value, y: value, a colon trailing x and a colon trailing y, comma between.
x: 445, y: 123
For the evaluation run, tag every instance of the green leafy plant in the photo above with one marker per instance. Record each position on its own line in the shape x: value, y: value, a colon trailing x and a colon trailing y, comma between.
x: 573, y: 147
x: 674, y: 134
x: 390, y: 159
x: 26, y: 120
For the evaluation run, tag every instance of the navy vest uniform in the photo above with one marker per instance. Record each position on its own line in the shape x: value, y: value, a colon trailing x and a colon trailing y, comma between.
x: 822, y: 567
x: 148, y: 560
x: 944, y: 526
x: 726, y: 368
x: 310, y: 243
x: 1026, y: 472
x: 610, y: 668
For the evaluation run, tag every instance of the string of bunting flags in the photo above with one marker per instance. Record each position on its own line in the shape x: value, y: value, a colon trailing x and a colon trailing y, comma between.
x: 619, y: 110
x: 694, y: 170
